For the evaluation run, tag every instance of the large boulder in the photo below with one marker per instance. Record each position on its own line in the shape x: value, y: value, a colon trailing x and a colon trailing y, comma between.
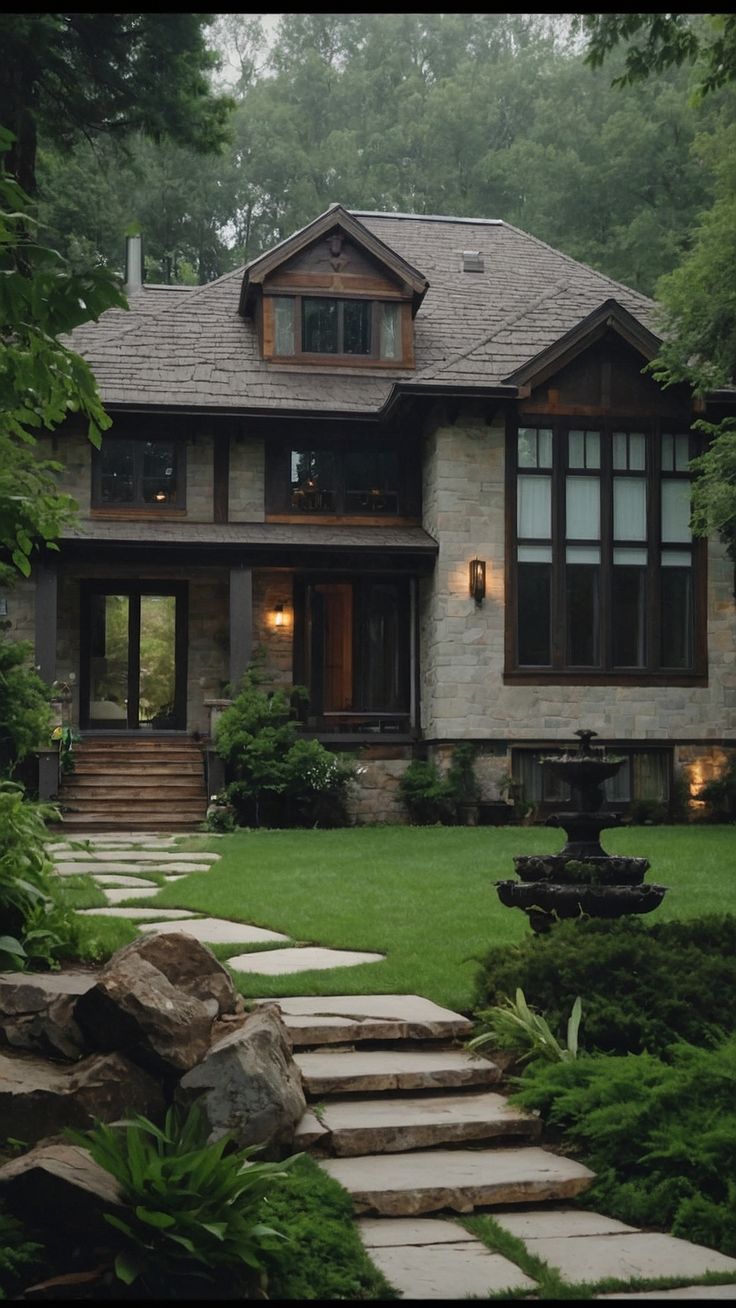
x: 60, y: 1188
x: 133, y: 1007
x: 40, y: 1099
x: 249, y: 1086
x: 189, y: 966
x: 37, y: 1012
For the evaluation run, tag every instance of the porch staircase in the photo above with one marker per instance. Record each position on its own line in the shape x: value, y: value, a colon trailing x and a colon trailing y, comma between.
x: 121, y: 784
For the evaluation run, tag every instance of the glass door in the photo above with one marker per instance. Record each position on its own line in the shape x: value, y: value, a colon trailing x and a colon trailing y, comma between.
x: 133, y: 657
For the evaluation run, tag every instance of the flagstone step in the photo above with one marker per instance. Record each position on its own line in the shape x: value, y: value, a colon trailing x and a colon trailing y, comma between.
x: 221, y: 931
x: 336, y: 1072
x: 143, y: 856
x: 133, y: 913
x: 74, y: 869
x: 427, y: 1258
x: 412, y: 1183
x: 341, y: 1019
x: 349, y: 1127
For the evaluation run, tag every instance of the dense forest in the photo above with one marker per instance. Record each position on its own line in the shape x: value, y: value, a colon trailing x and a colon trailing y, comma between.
x: 489, y: 115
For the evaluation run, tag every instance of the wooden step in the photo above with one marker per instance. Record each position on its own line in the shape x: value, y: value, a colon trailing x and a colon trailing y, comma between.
x: 404, y: 1184
x: 106, y: 791
x: 119, y: 771
x: 393, y: 1124
x: 84, y: 822
x: 337, y: 1072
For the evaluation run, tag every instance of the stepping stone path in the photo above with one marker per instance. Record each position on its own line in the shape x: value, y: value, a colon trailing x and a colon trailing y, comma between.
x: 405, y: 1119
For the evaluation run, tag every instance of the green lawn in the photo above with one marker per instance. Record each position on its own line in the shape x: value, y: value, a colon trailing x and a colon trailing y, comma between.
x: 423, y: 896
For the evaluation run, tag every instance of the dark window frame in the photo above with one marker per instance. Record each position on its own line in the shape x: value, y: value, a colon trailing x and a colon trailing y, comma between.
x: 559, y: 670
x: 138, y: 504
x: 371, y: 356
x: 358, y: 717
x: 279, y: 485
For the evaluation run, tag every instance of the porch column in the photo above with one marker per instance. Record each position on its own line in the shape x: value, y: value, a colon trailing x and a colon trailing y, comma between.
x: 241, y: 623
x: 46, y: 611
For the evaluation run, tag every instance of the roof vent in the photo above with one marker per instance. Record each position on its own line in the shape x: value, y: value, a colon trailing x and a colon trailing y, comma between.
x: 133, y: 264
x: 473, y: 261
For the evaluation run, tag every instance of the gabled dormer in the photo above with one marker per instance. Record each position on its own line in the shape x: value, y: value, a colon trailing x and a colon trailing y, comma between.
x: 334, y: 294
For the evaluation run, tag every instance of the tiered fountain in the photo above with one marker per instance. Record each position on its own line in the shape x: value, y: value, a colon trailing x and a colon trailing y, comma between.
x: 582, y: 879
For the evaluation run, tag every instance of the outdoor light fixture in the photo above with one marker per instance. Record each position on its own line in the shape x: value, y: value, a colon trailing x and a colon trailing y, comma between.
x: 279, y: 616
x: 478, y: 579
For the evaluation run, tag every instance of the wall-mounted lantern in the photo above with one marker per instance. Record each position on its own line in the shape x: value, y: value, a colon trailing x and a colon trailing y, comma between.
x: 478, y: 579
x: 279, y: 617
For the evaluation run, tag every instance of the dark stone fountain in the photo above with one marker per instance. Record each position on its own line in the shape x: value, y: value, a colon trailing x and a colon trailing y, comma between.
x: 582, y: 879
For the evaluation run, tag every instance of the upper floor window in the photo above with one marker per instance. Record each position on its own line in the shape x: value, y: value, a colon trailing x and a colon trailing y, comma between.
x: 139, y: 474
x: 604, y: 562
x: 350, y: 481
x: 336, y: 326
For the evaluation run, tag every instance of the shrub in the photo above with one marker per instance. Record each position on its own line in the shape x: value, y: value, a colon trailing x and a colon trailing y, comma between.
x: 278, y: 779
x: 643, y: 987
x: 430, y: 797
x: 720, y: 793
x: 25, y: 713
x: 323, y: 1257
x: 36, y: 923
x: 196, y: 1211
x: 661, y: 1136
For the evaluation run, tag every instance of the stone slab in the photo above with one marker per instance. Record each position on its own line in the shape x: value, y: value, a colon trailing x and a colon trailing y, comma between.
x: 119, y: 879
x: 559, y: 1222
x: 50, y: 983
x: 219, y: 931
x: 143, y: 856
x: 448, y: 1271
x: 638, y: 1254
x: 76, y: 869
x: 388, y: 1069
x: 684, y: 1292
x: 134, y: 913
x: 378, y: 1232
x: 311, y: 958
x: 408, y: 1184
x: 394, y: 1125
x: 128, y: 892
x: 309, y: 1131
x: 345, y: 1018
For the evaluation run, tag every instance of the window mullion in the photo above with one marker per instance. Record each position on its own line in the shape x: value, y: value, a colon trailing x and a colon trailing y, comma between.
x: 138, y: 457
x: 606, y: 563
x: 654, y: 551
x: 559, y: 471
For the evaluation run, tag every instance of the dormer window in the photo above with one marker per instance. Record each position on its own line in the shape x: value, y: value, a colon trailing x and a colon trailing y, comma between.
x: 336, y: 326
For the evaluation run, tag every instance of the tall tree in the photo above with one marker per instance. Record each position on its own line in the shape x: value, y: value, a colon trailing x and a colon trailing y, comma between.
x: 67, y: 75
x: 657, y: 41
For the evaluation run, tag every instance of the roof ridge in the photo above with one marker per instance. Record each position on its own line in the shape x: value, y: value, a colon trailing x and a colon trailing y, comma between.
x: 427, y: 217
x: 552, y: 289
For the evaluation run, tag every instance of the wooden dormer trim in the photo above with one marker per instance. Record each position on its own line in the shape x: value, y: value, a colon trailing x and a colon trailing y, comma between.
x: 414, y: 282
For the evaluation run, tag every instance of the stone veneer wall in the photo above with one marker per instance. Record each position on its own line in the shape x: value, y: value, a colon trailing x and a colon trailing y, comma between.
x: 247, y: 479
x: 276, y: 643
x: 462, y: 645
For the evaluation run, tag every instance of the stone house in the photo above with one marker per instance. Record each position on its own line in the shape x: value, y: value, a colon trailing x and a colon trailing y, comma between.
x: 416, y: 463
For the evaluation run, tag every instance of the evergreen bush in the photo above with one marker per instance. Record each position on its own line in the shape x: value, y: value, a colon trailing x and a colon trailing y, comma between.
x: 25, y: 713
x: 643, y: 987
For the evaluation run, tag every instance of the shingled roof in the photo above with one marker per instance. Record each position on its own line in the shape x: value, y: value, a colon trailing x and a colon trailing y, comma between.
x: 192, y: 350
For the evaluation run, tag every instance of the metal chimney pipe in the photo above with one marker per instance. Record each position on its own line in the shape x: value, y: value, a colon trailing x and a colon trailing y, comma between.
x: 133, y: 264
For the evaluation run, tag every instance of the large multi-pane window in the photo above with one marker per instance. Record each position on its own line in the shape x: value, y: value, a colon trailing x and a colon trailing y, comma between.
x: 138, y: 474
x: 321, y: 324
x: 604, y: 554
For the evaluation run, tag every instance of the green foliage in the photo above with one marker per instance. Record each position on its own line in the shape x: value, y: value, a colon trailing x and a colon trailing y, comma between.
x: 426, y: 794
x: 663, y: 40
x: 195, y: 1209
x: 661, y: 1136
x: 323, y: 1257
x: 720, y: 793
x: 18, y: 1255
x: 41, y: 380
x: 25, y: 715
x: 512, y: 1025
x: 278, y: 779
x: 645, y: 987
x: 36, y: 922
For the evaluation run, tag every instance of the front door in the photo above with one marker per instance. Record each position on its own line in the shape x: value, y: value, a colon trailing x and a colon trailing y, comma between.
x: 133, y: 667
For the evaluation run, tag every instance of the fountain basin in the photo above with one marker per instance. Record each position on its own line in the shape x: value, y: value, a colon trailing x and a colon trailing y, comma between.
x: 555, y: 900
x: 597, y: 870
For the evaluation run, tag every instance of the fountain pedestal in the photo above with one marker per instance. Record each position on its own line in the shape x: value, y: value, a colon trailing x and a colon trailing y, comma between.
x: 582, y: 879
